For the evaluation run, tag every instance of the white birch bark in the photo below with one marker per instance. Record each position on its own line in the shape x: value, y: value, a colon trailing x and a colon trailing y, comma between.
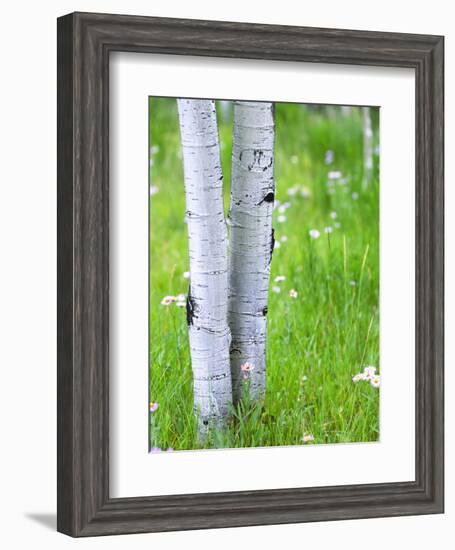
x: 367, y: 148
x: 251, y: 242
x: 209, y: 334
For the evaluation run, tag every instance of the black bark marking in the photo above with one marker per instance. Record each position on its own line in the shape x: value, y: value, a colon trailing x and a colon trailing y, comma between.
x: 272, y: 244
x: 270, y: 197
x: 257, y: 155
x: 265, y: 310
x: 266, y: 167
x: 190, y: 308
x: 259, y: 160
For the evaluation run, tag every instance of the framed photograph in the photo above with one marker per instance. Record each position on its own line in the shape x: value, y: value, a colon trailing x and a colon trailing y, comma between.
x: 250, y: 274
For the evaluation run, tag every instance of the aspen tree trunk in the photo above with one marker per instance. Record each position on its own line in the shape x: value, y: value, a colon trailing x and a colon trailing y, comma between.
x: 251, y: 242
x: 367, y: 148
x: 209, y: 334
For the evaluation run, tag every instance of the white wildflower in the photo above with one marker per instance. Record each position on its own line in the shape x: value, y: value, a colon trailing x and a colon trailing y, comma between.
x: 186, y: 274
x: 167, y: 300
x: 334, y: 175
x: 314, y: 233
x: 333, y: 215
x: 281, y: 218
x: 307, y: 438
x: 329, y: 157
x: 375, y: 381
x: 283, y: 239
x: 247, y: 367
x: 293, y: 293
x: 328, y: 229
x: 368, y: 375
x: 276, y: 289
x: 369, y: 371
x: 180, y: 300
x: 280, y: 278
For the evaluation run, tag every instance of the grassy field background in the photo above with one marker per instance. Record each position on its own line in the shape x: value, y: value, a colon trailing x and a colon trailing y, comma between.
x: 317, y: 341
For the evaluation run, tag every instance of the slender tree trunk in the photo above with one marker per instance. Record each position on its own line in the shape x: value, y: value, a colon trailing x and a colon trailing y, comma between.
x: 367, y: 148
x: 251, y: 243
x: 209, y: 333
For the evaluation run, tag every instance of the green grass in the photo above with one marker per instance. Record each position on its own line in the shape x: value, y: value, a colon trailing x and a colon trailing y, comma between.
x: 316, y: 342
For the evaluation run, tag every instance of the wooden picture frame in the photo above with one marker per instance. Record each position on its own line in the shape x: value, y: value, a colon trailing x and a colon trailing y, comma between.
x: 84, y: 43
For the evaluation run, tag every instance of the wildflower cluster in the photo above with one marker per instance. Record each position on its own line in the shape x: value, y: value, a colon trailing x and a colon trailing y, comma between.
x: 299, y: 190
x: 368, y: 375
x: 315, y: 233
x: 335, y: 178
x: 277, y: 289
x: 155, y: 450
x: 179, y: 300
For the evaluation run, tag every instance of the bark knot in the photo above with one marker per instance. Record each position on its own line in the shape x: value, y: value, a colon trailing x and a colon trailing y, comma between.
x: 270, y: 197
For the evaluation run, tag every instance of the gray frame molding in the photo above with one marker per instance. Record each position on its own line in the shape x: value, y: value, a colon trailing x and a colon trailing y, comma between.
x: 84, y: 43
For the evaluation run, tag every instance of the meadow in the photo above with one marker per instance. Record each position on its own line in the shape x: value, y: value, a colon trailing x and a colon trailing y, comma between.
x: 323, y: 320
